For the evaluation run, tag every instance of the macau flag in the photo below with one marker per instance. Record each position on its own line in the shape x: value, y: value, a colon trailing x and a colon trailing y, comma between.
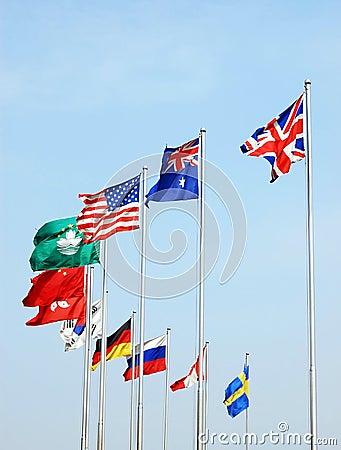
x: 59, y: 244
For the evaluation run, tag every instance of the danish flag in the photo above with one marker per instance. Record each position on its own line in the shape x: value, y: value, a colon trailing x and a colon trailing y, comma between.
x: 280, y: 141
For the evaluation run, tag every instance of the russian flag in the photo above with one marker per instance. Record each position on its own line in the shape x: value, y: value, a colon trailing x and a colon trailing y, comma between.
x: 154, y: 358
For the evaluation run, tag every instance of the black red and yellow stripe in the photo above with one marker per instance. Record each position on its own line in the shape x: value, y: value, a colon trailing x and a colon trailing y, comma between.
x: 118, y: 345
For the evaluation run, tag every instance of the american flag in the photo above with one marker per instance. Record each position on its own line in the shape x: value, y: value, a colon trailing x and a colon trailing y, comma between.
x: 280, y: 141
x: 109, y: 211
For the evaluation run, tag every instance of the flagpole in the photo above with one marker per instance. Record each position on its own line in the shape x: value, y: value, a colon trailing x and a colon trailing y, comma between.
x: 101, y: 413
x: 87, y: 351
x: 310, y: 276
x: 202, y: 138
x: 247, y: 412
x: 132, y: 386
x: 206, y: 392
x: 142, y: 310
x: 165, y: 424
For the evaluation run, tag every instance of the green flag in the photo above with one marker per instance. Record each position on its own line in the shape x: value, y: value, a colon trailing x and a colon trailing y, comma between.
x: 59, y: 244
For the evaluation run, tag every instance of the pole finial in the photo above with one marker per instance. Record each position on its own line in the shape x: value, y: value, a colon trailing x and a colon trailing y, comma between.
x: 202, y: 130
x: 307, y: 81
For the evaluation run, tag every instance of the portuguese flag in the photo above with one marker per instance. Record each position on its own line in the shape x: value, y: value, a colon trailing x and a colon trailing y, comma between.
x: 118, y: 345
x: 59, y: 244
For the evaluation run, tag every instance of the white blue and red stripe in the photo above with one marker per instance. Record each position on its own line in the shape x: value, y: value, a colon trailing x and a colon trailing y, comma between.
x: 280, y: 141
x: 154, y: 355
x: 110, y: 211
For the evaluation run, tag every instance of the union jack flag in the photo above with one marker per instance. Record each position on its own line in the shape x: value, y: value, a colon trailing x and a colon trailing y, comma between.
x: 184, y: 153
x: 280, y: 141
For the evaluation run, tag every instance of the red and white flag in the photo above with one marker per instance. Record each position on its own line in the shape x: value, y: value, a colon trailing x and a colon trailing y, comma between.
x: 190, y: 379
x: 109, y: 211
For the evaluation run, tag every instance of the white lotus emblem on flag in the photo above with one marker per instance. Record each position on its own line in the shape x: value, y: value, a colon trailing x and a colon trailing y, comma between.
x: 61, y: 303
x: 70, y: 244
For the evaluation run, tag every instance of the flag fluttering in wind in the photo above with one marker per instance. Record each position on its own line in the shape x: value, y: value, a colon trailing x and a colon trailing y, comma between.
x: 59, y: 310
x: 191, y: 378
x: 118, y: 345
x: 59, y: 294
x: 73, y: 331
x: 280, y: 141
x: 110, y: 211
x: 237, y: 393
x: 178, y: 174
x: 154, y: 358
x: 52, y: 285
x: 59, y: 244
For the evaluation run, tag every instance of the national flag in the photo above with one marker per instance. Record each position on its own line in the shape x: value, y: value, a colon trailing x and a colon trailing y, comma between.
x: 178, y: 174
x: 280, y: 141
x: 110, y: 211
x: 59, y: 244
x: 154, y: 358
x: 237, y: 393
x: 68, y: 309
x: 190, y: 379
x: 73, y: 331
x: 51, y: 285
x: 118, y: 345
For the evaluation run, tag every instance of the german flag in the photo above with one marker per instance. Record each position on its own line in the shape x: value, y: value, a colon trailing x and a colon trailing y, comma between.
x: 118, y: 344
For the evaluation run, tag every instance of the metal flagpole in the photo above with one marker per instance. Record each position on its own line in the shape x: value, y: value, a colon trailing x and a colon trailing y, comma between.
x: 142, y: 309
x: 247, y: 412
x: 132, y: 386
x: 206, y: 393
x: 165, y: 418
x: 202, y: 140
x: 101, y: 413
x: 87, y: 350
x: 310, y: 275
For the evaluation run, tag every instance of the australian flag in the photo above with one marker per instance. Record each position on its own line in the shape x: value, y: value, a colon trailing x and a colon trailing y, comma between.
x: 178, y: 174
x: 280, y: 141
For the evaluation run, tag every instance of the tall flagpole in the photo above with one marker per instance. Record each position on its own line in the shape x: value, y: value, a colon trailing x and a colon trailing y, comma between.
x: 200, y: 415
x: 165, y: 417
x: 103, y: 365
x: 132, y: 386
x: 87, y: 351
x: 142, y: 309
x: 247, y: 412
x: 310, y: 276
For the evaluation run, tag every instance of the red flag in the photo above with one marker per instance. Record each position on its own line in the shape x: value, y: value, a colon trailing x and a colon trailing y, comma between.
x: 71, y: 308
x: 53, y: 285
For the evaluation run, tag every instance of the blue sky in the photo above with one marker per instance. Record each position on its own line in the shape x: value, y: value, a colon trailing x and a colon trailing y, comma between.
x: 87, y: 88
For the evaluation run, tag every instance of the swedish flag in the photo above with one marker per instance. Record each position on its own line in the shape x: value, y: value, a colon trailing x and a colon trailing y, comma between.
x: 237, y: 393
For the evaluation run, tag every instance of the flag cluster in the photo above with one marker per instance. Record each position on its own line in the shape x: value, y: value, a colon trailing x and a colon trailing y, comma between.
x: 64, y: 247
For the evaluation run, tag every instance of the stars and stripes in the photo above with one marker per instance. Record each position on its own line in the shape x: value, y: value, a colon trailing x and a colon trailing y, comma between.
x: 110, y: 211
x: 280, y: 141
